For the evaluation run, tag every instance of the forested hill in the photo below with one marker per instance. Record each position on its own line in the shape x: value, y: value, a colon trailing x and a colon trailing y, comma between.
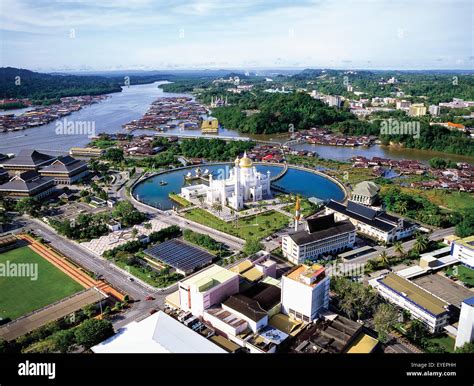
x: 20, y: 83
x: 38, y: 86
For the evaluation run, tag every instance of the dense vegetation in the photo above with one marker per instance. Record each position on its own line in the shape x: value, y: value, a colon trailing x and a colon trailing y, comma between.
x: 78, y: 330
x: 436, y: 87
x: 215, y: 149
x: 89, y: 226
x: 418, y: 208
x: 277, y: 112
x: 435, y: 137
x: 38, y: 86
x: 201, y: 240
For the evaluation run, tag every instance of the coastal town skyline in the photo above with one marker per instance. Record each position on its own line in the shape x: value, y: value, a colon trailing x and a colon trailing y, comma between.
x: 249, y: 34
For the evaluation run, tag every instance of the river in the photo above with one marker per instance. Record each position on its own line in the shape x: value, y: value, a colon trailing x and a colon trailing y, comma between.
x: 342, y: 153
x: 109, y: 115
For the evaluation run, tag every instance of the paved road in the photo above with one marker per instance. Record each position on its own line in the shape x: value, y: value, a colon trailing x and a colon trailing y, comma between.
x: 170, y: 218
x: 407, y: 245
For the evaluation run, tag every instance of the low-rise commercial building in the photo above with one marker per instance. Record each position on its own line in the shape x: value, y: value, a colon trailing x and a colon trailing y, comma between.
x: 28, y: 184
x: 159, y: 333
x: 27, y: 160
x: 417, y: 110
x: 322, y: 235
x: 207, y: 288
x: 373, y: 223
x: 422, y: 305
x: 334, y: 336
x: 65, y: 170
x: 255, y: 305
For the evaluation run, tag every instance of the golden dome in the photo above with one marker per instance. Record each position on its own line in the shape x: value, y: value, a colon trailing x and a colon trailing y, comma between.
x: 245, y: 162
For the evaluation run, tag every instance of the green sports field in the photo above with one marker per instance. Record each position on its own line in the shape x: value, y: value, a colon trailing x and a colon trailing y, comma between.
x: 20, y: 295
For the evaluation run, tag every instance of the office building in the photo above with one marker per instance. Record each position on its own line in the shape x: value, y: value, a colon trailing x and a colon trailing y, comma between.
x: 207, y: 288
x: 466, y: 323
x: 305, y: 292
x: 417, y: 110
x: 27, y: 184
x: 463, y: 249
x: 322, y: 235
x: 422, y: 305
x: 65, y: 170
x: 376, y: 224
x: 27, y: 160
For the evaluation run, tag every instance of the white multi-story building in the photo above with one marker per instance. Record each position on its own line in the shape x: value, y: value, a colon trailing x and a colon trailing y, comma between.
x: 466, y: 323
x: 463, y: 249
x: 432, y: 311
x: 243, y: 185
x: 434, y: 110
x: 334, y: 100
x: 322, y: 235
x: 305, y: 292
x: 207, y: 288
x: 375, y: 224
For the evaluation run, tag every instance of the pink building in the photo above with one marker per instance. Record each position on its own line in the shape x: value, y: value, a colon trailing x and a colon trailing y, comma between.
x: 207, y: 288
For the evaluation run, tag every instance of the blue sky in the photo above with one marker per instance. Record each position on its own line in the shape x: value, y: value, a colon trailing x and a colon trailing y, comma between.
x: 164, y: 34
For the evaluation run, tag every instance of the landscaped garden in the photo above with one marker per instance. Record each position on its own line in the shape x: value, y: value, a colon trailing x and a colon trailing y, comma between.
x: 252, y: 227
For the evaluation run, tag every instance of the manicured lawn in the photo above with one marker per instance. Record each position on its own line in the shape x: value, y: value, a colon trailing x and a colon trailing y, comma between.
x: 463, y: 273
x: 307, y: 208
x: 444, y: 341
x: 450, y: 200
x: 180, y: 200
x: 20, y: 295
x: 149, y: 276
x: 267, y: 223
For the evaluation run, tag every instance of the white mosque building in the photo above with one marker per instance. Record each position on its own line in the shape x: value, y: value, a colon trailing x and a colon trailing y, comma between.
x: 244, y: 184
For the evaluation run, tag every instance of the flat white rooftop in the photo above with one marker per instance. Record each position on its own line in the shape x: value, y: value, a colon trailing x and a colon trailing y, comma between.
x: 159, y: 333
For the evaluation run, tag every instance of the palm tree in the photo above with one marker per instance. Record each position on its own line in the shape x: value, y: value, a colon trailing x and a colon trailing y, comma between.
x: 421, y: 243
x: 201, y: 200
x: 402, y: 207
x: 217, y: 207
x: 384, y: 258
x: 398, y: 248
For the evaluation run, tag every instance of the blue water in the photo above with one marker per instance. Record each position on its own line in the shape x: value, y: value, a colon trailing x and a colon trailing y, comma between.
x: 295, y: 181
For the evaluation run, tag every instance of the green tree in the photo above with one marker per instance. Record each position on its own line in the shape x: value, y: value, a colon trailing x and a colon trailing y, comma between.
x: 467, y: 348
x: 45, y: 346
x: 64, y: 340
x: 385, y: 317
x: 417, y: 331
x: 252, y: 246
x: 114, y: 154
x: 421, y: 244
x: 28, y: 205
x: 398, y: 248
x: 92, y: 332
x: 384, y: 258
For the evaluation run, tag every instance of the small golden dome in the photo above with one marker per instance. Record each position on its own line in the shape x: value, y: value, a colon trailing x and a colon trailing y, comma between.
x: 245, y: 162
